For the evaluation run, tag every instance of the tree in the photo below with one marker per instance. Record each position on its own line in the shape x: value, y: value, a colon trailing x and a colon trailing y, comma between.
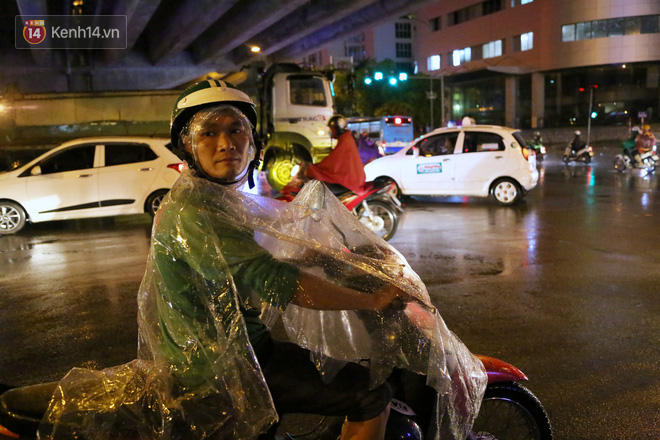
x: 353, y: 97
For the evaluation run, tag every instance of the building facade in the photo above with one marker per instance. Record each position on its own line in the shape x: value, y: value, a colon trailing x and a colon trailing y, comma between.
x: 392, y: 39
x: 544, y: 63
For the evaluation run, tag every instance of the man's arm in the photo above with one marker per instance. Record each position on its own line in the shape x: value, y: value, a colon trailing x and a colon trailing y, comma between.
x: 316, y: 293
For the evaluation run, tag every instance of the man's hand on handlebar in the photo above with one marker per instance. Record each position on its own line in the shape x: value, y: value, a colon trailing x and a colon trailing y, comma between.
x: 390, y: 296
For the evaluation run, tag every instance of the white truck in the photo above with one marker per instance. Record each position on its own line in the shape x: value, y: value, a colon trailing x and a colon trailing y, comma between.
x: 294, y: 107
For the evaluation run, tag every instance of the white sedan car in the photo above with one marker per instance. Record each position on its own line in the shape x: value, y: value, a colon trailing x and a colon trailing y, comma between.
x: 472, y: 160
x: 92, y: 177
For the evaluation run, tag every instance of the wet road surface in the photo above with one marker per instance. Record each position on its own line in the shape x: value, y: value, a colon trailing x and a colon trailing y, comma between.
x: 564, y: 286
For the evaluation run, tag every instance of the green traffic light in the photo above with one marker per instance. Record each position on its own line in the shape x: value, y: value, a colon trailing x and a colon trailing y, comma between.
x: 403, y: 76
x: 368, y: 81
x: 594, y: 115
x: 392, y: 81
x: 378, y: 76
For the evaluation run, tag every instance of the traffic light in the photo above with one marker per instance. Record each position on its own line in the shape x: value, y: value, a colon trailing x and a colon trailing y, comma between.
x: 393, y: 78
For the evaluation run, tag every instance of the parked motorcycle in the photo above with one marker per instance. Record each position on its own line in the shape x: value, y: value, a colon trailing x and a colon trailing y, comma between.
x: 376, y: 206
x: 582, y: 155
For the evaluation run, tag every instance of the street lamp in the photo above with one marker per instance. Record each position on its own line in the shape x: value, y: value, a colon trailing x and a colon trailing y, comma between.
x: 592, y: 114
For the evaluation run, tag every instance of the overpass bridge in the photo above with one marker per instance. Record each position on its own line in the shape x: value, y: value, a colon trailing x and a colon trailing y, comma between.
x: 171, y: 42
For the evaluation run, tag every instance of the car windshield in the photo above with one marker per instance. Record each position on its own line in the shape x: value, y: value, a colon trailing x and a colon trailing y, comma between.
x: 518, y: 137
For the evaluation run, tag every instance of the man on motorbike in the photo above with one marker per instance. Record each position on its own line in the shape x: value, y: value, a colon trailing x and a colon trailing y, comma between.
x: 644, y: 142
x: 628, y: 146
x: 213, y: 128
x: 367, y: 148
x: 343, y: 166
x: 577, y: 143
x: 223, y: 264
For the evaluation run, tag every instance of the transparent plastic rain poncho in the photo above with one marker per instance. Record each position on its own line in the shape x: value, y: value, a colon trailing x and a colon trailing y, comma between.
x: 196, y: 376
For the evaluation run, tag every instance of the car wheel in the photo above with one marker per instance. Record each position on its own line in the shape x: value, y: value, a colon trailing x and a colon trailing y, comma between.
x: 154, y: 200
x: 387, y: 180
x: 506, y: 191
x: 12, y: 218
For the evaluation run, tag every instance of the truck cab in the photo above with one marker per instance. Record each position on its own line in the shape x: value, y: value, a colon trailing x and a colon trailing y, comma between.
x: 295, y: 106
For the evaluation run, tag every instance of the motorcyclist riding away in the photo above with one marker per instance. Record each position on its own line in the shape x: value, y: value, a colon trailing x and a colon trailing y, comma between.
x: 644, y: 142
x: 221, y: 263
x: 628, y: 145
x: 577, y: 143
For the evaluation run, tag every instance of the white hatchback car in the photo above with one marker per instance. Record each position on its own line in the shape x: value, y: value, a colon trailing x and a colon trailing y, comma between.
x: 472, y: 160
x: 91, y: 177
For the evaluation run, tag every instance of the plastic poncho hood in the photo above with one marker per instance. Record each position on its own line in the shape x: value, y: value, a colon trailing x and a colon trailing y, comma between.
x: 196, y: 375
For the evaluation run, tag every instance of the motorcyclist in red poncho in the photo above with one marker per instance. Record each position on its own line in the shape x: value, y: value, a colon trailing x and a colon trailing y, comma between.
x: 343, y: 167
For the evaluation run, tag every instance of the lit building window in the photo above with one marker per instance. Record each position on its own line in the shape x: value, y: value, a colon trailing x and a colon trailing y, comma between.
x: 460, y: 56
x: 527, y: 41
x: 492, y: 49
x: 433, y: 62
x: 515, y: 3
x: 568, y: 32
x: 611, y: 27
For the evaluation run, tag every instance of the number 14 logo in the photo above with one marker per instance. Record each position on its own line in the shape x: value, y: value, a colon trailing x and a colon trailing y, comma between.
x: 34, y: 31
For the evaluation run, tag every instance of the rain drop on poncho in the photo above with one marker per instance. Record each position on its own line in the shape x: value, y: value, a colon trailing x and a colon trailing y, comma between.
x: 216, y: 255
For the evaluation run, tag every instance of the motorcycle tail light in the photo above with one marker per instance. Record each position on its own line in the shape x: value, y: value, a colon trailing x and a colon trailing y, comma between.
x: 179, y: 167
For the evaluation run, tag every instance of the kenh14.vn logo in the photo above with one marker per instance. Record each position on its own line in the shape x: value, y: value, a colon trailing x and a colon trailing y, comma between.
x: 34, y: 31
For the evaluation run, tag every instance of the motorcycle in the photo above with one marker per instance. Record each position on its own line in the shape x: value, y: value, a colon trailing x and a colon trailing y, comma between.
x: 625, y: 160
x: 508, y: 410
x: 376, y: 205
x: 539, y: 149
x: 582, y: 155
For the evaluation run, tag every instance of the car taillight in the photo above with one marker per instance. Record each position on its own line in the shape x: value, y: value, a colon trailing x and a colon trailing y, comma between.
x: 525, y: 153
x: 177, y: 166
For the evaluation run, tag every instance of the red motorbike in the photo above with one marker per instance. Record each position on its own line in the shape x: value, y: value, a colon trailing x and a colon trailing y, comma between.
x: 375, y: 205
x: 508, y: 411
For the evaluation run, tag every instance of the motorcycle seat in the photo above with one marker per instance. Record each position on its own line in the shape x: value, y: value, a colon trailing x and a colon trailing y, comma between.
x: 21, y: 409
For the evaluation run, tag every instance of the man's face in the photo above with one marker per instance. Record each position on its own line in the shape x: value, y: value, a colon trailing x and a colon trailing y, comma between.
x: 223, y: 145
